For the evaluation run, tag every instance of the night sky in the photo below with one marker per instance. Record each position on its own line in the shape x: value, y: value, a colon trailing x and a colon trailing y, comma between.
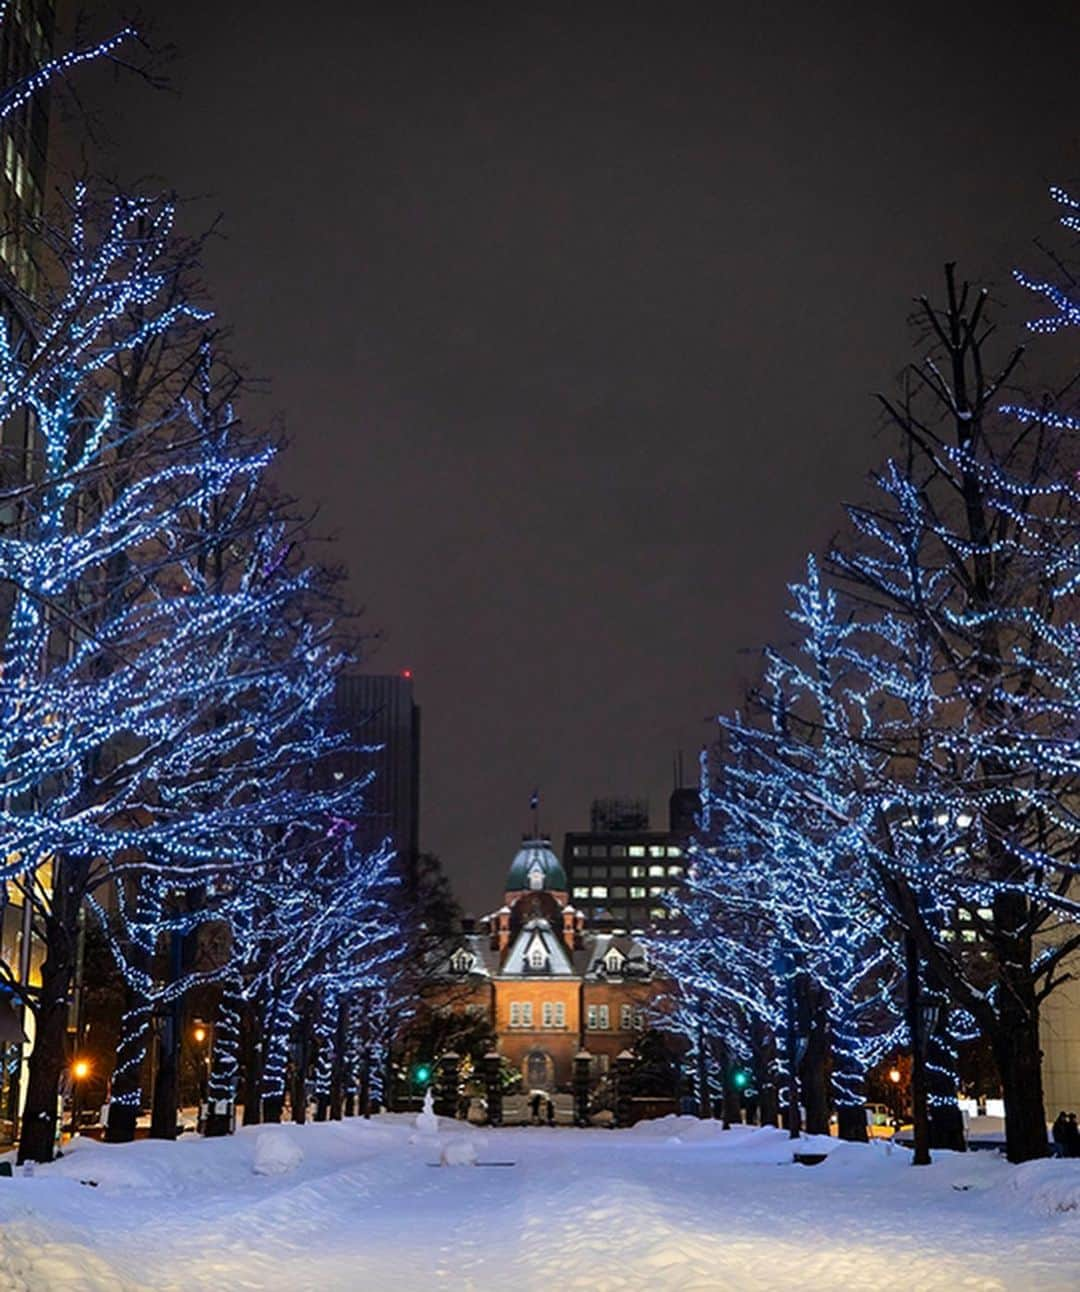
x: 573, y: 316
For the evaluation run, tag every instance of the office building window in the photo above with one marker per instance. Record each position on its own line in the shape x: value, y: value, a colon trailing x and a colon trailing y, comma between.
x: 618, y: 849
x: 656, y: 850
x: 674, y: 852
x: 674, y: 872
x: 580, y: 850
x: 636, y: 850
x: 599, y: 890
x: 598, y: 850
x: 560, y: 1014
x: 656, y: 872
x: 637, y: 872
x: 637, y: 892
x: 581, y: 892
x: 619, y: 891
x: 549, y: 1013
x: 515, y: 1013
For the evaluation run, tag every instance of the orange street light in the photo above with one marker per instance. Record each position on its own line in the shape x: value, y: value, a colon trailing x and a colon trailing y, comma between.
x: 200, y: 1035
x: 80, y: 1069
x: 894, y: 1075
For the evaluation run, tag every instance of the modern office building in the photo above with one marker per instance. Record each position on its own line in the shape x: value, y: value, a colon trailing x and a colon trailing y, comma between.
x: 382, y: 716
x: 26, y: 39
x: 620, y: 871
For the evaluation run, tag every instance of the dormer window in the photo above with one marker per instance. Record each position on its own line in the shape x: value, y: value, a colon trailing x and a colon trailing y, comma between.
x: 462, y: 961
x: 536, y: 956
x: 613, y: 961
x: 536, y: 878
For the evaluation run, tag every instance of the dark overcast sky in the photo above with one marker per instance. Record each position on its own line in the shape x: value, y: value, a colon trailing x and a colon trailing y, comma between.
x: 573, y: 315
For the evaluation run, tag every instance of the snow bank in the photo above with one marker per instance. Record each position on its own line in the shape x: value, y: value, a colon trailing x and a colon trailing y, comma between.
x: 1046, y: 1188
x: 459, y: 1150
x: 112, y: 1166
x: 276, y: 1152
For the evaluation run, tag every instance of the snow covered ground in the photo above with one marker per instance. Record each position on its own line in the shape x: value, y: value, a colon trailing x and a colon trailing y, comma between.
x: 674, y: 1204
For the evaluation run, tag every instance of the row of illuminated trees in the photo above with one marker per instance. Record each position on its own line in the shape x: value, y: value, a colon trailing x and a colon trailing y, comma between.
x: 889, y: 846
x: 169, y: 764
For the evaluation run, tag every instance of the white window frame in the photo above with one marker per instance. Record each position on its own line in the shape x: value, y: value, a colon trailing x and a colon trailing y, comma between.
x: 605, y: 1018
x: 536, y: 956
x: 526, y: 1013
x: 626, y: 1017
x: 515, y: 1013
x: 560, y: 1014
x: 549, y: 1013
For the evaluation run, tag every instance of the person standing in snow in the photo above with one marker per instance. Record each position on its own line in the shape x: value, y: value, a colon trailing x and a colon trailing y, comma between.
x: 1072, y: 1137
x: 1059, y: 1133
x: 534, y: 1104
x: 551, y: 1111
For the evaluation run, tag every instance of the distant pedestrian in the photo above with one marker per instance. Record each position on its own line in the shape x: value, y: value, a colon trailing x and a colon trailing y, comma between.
x: 1072, y: 1137
x: 550, y: 1112
x: 534, y: 1105
x: 1059, y: 1133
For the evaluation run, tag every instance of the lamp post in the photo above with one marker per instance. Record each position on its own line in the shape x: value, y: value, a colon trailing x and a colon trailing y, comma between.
x: 894, y: 1077
x: 80, y: 1070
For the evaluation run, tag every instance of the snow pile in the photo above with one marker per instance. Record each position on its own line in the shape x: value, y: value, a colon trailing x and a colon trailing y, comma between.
x: 109, y: 1165
x: 459, y: 1150
x: 1047, y: 1188
x: 276, y: 1152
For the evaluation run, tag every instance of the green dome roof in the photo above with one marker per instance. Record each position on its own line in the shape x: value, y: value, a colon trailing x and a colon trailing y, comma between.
x: 535, y: 867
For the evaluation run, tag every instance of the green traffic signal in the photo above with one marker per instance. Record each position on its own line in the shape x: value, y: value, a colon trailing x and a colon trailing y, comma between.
x: 422, y: 1074
x: 740, y: 1080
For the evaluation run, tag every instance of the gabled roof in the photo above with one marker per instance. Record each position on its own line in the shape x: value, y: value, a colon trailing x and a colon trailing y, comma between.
x: 591, y: 960
x: 535, y: 935
x: 485, y: 961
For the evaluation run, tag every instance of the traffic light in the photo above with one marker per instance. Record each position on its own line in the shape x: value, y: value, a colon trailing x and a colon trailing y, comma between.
x: 739, y: 1079
x: 421, y: 1074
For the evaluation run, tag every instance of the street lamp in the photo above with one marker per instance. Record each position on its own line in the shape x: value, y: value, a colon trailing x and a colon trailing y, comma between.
x: 80, y: 1070
x: 894, y: 1077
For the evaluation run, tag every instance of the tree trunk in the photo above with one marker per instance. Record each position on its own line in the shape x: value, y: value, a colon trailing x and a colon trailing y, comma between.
x: 49, y: 1054
x: 222, y: 1086
x: 1019, y: 1062
x: 251, y: 1036
x: 337, y: 1072
x: 851, y: 1123
x: 46, y: 1062
x: 946, y: 1119
x: 126, y: 1096
x: 812, y: 1077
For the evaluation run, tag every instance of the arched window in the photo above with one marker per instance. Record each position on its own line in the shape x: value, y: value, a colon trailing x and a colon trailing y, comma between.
x: 536, y: 956
x: 536, y: 878
x: 462, y: 961
x: 613, y: 961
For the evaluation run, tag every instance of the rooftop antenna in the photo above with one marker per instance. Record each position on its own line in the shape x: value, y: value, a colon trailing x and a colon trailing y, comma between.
x: 534, y: 804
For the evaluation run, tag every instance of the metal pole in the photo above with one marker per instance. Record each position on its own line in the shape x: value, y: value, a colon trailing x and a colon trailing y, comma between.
x: 920, y: 1114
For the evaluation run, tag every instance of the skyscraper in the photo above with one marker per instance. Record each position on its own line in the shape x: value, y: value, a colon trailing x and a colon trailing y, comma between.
x: 379, y: 710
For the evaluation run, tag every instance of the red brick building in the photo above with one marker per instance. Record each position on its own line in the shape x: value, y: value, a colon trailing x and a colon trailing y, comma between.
x: 548, y: 985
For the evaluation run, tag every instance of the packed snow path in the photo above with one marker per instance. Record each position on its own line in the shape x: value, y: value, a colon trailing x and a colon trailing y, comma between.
x: 676, y: 1204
